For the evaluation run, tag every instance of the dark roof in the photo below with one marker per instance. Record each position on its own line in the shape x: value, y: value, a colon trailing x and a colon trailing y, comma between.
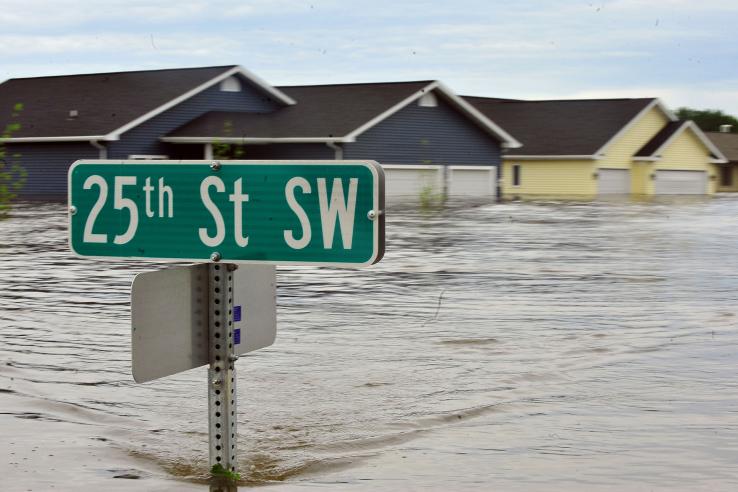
x: 561, y: 127
x: 726, y: 142
x: 658, y: 140
x: 104, y: 101
x: 322, y: 111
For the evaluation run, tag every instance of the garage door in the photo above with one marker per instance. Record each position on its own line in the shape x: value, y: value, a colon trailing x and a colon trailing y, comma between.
x: 613, y: 181
x: 407, y: 181
x: 472, y: 182
x: 681, y: 183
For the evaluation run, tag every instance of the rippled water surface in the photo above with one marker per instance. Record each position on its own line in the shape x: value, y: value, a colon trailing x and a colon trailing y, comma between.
x: 518, y: 346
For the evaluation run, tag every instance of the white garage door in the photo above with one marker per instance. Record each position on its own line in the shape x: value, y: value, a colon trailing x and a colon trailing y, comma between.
x: 472, y: 182
x: 681, y: 182
x: 410, y: 182
x: 613, y: 181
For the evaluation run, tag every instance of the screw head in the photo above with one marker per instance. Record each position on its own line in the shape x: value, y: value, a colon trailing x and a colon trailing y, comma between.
x: 215, y: 257
x: 215, y: 166
x: 371, y: 215
x: 217, y: 382
x: 72, y: 210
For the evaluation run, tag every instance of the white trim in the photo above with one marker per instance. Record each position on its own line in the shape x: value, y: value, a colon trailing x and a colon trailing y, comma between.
x: 428, y: 100
x: 432, y: 167
x: 252, y: 140
x: 86, y: 138
x: 700, y: 136
x: 472, y: 168
x: 230, y: 84
x: 551, y: 157
x: 115, y: 134
x: 655, y: 103
x: 506, y: 139
x: 102, y: 150
x: 142, y: 157
x: 719, y: 161
x: 337, y: 150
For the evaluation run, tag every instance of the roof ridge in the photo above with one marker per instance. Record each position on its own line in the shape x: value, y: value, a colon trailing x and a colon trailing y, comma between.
x: 123, y: 72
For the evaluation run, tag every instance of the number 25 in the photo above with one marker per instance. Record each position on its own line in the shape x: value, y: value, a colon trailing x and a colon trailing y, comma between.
x: 119, y: 203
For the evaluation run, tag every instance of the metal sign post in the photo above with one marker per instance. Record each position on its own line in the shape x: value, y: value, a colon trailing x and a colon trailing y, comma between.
x: 222, y: 372
x: 255, y: 213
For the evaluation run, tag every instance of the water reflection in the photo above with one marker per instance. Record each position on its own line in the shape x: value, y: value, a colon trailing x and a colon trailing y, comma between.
x: 515, y: 346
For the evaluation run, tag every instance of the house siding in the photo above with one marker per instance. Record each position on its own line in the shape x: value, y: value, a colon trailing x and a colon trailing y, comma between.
x: 426, y: 135
x: 542, y: 178
x: 619, y: 154
x: 47, y: 165
x: 318, y: 151
x: 144, y: 139
x: 687, y: 153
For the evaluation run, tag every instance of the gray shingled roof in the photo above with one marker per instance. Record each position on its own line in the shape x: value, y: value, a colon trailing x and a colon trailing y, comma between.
x: 726, y: 142
x: 322, y: 111
x: 563, y: 127
x: 104, y: 101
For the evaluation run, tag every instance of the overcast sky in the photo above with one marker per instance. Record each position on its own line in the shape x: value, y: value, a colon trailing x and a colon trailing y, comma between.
x: 684, y: 51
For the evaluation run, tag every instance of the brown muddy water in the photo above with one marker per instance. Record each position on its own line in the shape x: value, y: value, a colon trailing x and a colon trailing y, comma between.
x: 518, y: 346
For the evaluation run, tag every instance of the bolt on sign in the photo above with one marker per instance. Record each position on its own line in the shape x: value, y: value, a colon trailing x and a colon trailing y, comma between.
x: 278, y: 212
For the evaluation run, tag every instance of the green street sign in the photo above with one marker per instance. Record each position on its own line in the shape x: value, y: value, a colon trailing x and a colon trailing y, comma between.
x: 279, y: 212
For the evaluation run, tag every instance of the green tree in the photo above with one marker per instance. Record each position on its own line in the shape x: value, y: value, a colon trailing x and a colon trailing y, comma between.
x: 12, y: 174
x: 709, y: 120
x: 225, y: 150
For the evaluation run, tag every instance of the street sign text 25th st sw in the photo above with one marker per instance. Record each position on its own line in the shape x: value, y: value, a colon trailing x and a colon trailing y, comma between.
x: 286, y: 212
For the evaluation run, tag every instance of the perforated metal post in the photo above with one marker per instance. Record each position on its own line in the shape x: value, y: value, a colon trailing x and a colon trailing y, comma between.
x: 222, y: 373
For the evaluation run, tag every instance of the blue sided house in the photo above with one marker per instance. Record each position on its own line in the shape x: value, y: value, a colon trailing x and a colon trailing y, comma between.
x: 427, y: 138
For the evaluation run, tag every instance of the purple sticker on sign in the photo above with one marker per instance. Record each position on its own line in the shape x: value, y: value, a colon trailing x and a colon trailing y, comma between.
x: 237, y: 336
x: 236, y: 313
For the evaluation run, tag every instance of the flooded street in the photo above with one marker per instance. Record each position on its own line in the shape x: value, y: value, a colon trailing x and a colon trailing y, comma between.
x: 516, y: 346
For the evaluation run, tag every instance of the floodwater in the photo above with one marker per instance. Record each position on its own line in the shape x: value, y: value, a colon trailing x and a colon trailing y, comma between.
x: 517, y: 346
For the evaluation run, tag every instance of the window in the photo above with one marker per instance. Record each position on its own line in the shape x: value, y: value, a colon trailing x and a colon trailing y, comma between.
x: 516, y: 175
x: 231, y: 84
x: 428, y: 100
x: 726, y: 176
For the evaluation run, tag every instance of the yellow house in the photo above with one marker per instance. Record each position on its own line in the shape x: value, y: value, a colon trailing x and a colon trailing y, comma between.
x: 590, y: 148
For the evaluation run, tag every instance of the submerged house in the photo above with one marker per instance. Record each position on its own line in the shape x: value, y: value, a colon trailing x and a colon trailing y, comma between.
x: 727, y: 142
x: 591, y: 148
x: 426, y: 137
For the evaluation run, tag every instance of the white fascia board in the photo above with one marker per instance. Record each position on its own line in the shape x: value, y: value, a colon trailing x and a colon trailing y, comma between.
x: 706, y: 141
x: 252, y: 140
x: 700, y: 136
x: 433, y: 167
x: 505, y: 138
x: 719, y: 161
x: 655, y: 103
x: 115, y: 134
x: 279, y: 95
x: 85, y: 138
x: 551, y: 157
